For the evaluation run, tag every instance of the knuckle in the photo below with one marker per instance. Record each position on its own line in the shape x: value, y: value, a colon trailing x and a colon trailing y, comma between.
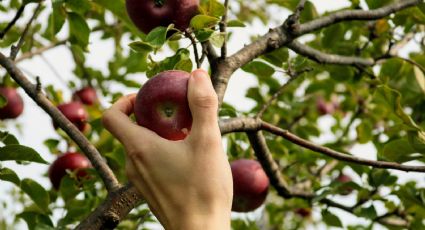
x: 206, y: 101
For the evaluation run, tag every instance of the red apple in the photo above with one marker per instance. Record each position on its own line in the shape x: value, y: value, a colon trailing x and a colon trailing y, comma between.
x: 14, y: 105
x: 303, y: 212
x: 148, y: 14
x: 250, y: 185
x: 86, y: 95
x: 343, y: 178
x: 76, y: 113
x: 161, y: 105
x: 324, y: 107
x: 71, y: 161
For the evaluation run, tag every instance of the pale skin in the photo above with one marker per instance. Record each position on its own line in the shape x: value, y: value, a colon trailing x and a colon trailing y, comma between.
x: 187, y: 184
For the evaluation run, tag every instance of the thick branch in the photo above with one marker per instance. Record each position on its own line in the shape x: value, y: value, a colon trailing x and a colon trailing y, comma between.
x: 250, y: 124
x: 111, y: 183
x: 324, y: 58
x: 349, y: 15
x: 116, y: 206
x: 258, y: 143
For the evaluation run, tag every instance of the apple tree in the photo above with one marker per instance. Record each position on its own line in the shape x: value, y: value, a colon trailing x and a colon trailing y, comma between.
x: 326, y: 82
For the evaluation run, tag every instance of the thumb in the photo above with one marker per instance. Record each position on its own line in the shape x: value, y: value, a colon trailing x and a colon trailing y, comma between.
x: 203, y: 101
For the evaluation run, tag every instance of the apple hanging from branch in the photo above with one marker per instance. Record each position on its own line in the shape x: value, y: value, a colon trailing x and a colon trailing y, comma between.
x: 14, y: 105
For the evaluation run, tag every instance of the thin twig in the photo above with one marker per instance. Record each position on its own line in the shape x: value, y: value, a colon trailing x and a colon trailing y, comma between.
x: 293, y: 21
x: 15, y: 49
x: 195, y: 48
x: 223, y: 29
x: 280, y: 91
x: 39, y: 51
x: 14, y: 20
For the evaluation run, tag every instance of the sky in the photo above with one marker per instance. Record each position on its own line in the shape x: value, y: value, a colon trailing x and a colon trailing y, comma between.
x: 36, y: 124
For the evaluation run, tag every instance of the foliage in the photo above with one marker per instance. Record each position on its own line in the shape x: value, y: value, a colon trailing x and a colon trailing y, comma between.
x: 381, y: 105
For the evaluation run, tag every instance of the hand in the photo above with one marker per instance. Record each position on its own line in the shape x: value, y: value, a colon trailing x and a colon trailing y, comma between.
x: 187, y: 184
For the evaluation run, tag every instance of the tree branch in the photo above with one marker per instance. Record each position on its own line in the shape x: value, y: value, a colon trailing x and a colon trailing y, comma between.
x: 108, y: 177
x: 15, y: 49
x: 223, y: 28
x: 324, y: 58
x: 116, y: 206
x: 251, y: 124
x: 280, y: 36
x: 39, y: 51
x: 14, y: 20
x: 349, y: 15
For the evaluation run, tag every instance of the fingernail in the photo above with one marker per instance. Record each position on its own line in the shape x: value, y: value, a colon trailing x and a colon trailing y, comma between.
x: 200, y: 73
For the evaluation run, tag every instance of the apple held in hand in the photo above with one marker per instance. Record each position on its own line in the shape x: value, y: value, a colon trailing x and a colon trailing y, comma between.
x: 14, y: 105
x: 76, y: 113
x: 161, y: 105
x: 148, y: 14
x: 86, y: 95
x: 71, y: 161
x: 250, y: 185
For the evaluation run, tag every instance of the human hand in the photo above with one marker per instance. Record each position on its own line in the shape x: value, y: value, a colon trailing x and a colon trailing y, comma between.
x: 187, y: 184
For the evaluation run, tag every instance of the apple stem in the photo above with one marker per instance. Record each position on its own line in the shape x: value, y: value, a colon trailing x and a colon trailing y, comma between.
x: 159, y: 2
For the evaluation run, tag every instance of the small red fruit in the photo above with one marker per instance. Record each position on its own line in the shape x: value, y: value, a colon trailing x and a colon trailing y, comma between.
x: 148, y: 14
x: 161, y: 105
x: 343, y: 178
x: 250, y: 185
x: 71, y: 161
x: 303, y: 212
x: 76, y: 113
x: 86, y: 95
x: 14, y: 105
x: 324, y: 107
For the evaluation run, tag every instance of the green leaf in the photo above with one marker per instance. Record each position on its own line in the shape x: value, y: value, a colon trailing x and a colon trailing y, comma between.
x: 235, y: 23
x: 368, y: 212
x: 392, y: 99
x: 141, y: 47
x: 277, y: 57
x: 217, y: 39
x: 33, y: 219
x: 7, y: 174
x: 78, y: 6
x: 399, y: 151
x: 20, y: 153
x: 373, y: 4
x: 212, y: 8
x: 37, y: 193
x: 420, y: 78
x: 158, y: 36
x: 8, y: 139
x: 417, y: 140
x: 331, y: 219
x: 68, y: 188
x: 79, y: 30
x: 364, y: 132
x: 379, y: 177
x: 203, y: 21
x: 258, y: 68
x: 203, y: 34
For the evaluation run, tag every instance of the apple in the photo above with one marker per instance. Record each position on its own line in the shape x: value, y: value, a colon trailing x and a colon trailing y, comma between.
x: 86, y: 95
x: 148, y: 14
x: 324, y: 107
x: 14, y: 105
x: 161, y: 105
x: 303, y: 212
x: 250, y: 185
x: 343, y: 178
x: 70, y: 161
x: 76, y: 113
